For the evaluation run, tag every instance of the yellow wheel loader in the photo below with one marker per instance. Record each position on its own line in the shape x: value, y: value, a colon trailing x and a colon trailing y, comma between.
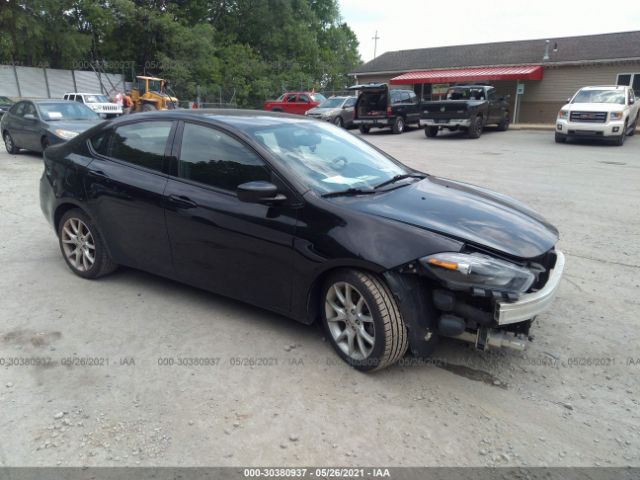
x: 149, y: 93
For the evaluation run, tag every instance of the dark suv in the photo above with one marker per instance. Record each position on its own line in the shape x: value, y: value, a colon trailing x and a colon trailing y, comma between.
x: 381, y: 107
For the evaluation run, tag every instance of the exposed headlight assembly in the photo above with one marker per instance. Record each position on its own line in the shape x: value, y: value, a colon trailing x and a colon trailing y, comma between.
x: 66, y: 134
x: 461, y: 271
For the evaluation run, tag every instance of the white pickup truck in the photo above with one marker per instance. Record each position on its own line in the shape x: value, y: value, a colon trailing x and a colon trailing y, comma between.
x: 604, y: 113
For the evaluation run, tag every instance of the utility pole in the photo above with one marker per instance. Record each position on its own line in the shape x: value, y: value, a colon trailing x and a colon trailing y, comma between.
x: 375, y: 44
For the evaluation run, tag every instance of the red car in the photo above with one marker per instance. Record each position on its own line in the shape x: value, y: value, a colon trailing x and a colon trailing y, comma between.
x: 294, y: 102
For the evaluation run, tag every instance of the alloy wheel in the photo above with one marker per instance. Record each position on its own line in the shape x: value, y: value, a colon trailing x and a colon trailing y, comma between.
x: 350, y: 320
x: 78, y: 244
x: 8, y: 142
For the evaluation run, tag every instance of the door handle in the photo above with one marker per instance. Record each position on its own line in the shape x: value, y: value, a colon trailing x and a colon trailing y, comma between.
x: 98, y: 174
x: 182, y: 202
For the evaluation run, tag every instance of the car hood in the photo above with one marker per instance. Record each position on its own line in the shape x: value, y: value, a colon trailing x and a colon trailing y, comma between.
x: 471, y: 214
x: 323, y: 110
x: 594, y: 107
x: 73, y: 125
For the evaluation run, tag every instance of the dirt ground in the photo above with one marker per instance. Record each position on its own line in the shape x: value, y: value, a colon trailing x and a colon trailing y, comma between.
x: 101, y: 372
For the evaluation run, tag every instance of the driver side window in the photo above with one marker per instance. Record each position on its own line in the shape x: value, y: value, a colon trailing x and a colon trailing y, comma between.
x: 216, y: 159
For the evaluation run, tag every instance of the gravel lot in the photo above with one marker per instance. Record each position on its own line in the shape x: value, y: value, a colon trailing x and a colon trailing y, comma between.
x: 571, y: 399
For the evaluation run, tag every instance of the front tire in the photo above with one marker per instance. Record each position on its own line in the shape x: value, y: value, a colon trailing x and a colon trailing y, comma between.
x: 632, y: 132
x: 364, y: 129
x: 362, y: 320
x: 475, y: 129
x: 338, y: 122
x: 9, y: 144
x: 431, y: 131
x: 82, y: 246
x: 560, y: 138
x: 398, y: 126
x: 148, y: 107
x: 620, y: 140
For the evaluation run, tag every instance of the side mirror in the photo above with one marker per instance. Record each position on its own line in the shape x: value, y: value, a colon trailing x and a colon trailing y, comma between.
x: 30, y: 116
x: 569, y: 100
x: 259, y: 192
x: 632, y: 101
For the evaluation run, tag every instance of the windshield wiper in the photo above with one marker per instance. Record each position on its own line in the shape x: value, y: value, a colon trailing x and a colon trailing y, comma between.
x: 349, y: 191
x: 398, y: 178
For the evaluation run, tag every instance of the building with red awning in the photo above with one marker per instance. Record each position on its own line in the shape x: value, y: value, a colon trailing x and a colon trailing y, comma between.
x: 539, y: 74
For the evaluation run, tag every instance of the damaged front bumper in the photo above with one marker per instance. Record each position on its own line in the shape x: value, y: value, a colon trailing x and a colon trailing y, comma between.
x: 484, y: 318
x: 531, y: 304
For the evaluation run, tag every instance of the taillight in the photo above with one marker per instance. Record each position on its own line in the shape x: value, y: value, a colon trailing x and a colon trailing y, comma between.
x: 388, y: 111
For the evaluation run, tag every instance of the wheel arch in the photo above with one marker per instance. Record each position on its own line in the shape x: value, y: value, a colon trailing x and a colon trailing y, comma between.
x: 313, y: 293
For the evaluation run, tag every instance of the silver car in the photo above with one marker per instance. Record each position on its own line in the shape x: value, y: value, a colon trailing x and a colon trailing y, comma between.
x: 337, y: 110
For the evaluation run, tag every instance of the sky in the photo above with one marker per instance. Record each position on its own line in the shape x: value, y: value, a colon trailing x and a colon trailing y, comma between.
x: 422, y: 23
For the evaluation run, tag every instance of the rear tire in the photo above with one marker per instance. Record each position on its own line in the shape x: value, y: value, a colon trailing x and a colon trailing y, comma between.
x: 338, y: 122
x: 475, y: 129
x: 560, y: 138
x: 147, y: 107
x: 362, y: 320
x: 431, y: 131
x: 364, y: 129
x: 9, y: 145
x: 398, y: 125
x: 82, y: 246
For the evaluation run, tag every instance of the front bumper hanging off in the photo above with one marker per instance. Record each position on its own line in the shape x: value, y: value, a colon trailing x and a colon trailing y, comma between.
x: 531, y: 304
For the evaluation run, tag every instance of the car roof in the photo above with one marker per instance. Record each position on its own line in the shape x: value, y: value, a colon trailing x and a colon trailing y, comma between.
x: 605, y: 87
x: 84, y: 93
x: 49, y: 101
x: 218, y: 114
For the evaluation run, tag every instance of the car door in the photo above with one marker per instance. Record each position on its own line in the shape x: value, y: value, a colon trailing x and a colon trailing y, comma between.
x: 495, y: 106
x: 413, y: 115
x: 302, y: 104
x: 14, y: 123
x: 31, y: 128
x: 239, y: 249
x: 349, y: 110
x: 125, y: 185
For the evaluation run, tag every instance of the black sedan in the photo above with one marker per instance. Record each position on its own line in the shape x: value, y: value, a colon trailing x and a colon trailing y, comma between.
x: 307, y: 220
x: 36, y: 124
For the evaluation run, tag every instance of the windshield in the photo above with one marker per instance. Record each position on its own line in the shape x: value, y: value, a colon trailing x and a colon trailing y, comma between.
x: 66, y: 111
x: 95, y: 99
x: 155, y: 86
x: 317, y: 97
x: 332, y: 103
x: 465, y: 94
x: 327, y: 159
x: 599, y: 96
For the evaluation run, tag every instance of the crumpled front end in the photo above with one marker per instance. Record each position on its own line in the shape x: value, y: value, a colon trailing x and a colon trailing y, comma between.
x: 479, y: 298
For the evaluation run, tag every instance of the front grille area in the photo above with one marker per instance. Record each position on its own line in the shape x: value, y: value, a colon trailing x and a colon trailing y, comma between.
x: 590, y: 117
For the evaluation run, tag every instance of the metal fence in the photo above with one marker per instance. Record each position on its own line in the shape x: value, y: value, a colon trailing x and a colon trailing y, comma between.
x: 35, y: 82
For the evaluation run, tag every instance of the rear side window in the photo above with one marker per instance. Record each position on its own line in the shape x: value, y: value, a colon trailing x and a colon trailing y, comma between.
x: 214, y: 158
x: 141, y: 144
x: 79, y: 99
